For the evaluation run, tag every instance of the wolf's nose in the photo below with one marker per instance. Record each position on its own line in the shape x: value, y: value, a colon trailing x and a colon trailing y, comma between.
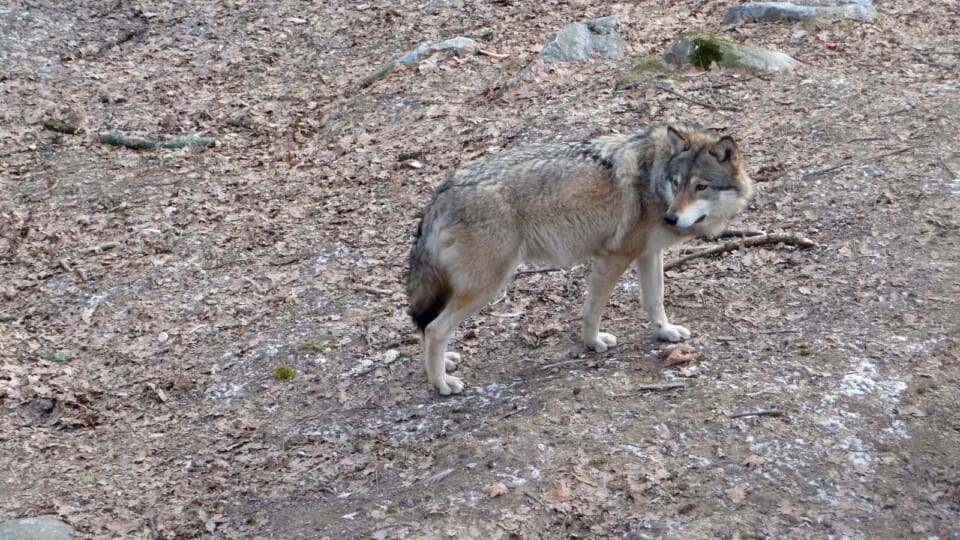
x: 670, y: 218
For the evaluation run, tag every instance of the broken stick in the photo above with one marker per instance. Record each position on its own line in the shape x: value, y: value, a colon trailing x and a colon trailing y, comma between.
x: 772, y: 412
x: 139, y: 144
x: 659, y: 386
x: 790, y: 239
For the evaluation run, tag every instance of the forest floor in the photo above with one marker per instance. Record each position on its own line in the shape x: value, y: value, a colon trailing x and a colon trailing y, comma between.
x: 146, y: 296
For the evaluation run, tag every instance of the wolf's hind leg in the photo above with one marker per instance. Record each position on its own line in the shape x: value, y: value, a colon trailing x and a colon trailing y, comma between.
x: 438, y: 333
x: 603, y: 278
x: 650, y: 268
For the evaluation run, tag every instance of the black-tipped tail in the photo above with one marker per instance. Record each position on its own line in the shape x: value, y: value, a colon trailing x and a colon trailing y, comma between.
x: 428, y: 288
x: 426, y: 313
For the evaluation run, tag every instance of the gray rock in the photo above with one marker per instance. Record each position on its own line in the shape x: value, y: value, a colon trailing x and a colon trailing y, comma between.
x: 734, y: 55
x: 458, y: 43
x: 578, y: 41
x: 801, y: 10
x: 36, y: 528
x: 428, y: 49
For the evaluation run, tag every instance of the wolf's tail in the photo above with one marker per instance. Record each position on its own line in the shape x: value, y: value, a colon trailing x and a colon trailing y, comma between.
x: 428, y: 285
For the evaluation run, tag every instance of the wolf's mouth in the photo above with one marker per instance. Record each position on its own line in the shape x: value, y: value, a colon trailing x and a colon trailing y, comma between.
x: 699, y: 219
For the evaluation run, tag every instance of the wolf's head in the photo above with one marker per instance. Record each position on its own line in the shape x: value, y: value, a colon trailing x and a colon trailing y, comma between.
x: 709, y: 183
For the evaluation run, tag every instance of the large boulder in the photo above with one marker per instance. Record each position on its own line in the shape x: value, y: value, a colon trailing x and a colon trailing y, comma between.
x: 36, y: 528
x: 729, y: 54
x: 579, y: 41
x: 799, y: 10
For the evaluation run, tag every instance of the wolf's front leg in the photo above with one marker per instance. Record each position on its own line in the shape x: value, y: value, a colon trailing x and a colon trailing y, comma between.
x: 650, y: 268
x: 603, y: 278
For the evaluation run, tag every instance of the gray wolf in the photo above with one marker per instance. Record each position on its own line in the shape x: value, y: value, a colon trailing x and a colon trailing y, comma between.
x: 614, y: 199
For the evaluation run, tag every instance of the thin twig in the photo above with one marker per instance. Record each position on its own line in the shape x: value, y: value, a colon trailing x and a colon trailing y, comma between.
x: 908, y: 108
x: 60, y: 127
x: 512, y: 81
x: 768, y: 412
x: 101, y: 248
x: 731, y: 233
x: 710, y: 106
x: 851, y: 163
x: 947, y: 168
x: 491, y: 53
x: 373, y: 290
x: 790, y: 239
x: 659, y: 386
x: 564, y: 363
x: 538, y: 271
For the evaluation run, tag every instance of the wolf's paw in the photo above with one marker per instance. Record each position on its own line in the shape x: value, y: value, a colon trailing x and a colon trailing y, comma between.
x: 672, y: 332
x: 451, y: 361
x: 449, y: 385
x: 602, y: 342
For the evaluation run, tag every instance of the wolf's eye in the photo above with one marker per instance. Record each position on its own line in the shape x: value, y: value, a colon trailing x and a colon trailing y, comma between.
x: 701, y: 187
x: 676, y: 182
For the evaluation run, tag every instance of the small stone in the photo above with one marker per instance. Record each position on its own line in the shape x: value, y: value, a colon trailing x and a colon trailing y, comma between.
x: 390, y: 356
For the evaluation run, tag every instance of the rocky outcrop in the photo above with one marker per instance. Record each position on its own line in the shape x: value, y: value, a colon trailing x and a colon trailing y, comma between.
x: 799, y: 10
x: 581, y: 40
x: 684, y: 52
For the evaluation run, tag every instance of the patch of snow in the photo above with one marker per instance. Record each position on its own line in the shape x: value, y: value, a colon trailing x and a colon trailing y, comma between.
x: 865, y: 380
x: 514, y: 478
x: 226, y: 391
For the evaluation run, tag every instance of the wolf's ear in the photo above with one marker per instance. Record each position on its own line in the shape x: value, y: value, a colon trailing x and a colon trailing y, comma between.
x: 677, y: 140
x: 725, y: 149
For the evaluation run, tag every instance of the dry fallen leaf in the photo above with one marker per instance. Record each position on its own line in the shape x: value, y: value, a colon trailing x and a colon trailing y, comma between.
x: 677, y: 354
x: 754, y: 461
x: 495, y: 490
x: 560, y: 491
x: 736, y: 494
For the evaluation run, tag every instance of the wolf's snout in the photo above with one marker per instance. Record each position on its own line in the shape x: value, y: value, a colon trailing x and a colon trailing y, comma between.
x: 671, y: 218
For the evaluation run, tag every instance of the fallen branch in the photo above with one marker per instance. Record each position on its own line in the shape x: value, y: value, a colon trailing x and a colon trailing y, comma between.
x: 512, y: 81
x: 710, y: 106
x: 790, y: 239
x: 732, y: 233
x: 530, y: 272
x: 60, y: 127
x: 565, y: 363
x: 772, y: 412
x: 116, y: 139
x: 951, y: 172
x: 101, y: 248
x: 851, y: 163
x: 491, y: 53
x: 457, y: 43
x: 373, y: 290
x: 659, y: 386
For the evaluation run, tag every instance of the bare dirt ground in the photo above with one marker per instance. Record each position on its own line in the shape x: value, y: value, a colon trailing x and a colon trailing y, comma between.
x: 147, y: 296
